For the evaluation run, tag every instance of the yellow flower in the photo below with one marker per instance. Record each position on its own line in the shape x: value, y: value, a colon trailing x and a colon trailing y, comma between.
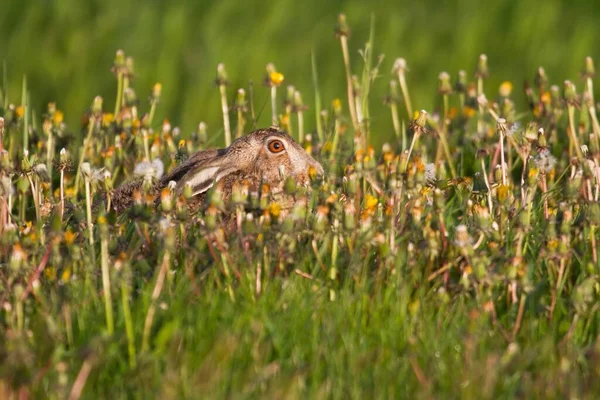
x: 502, y: 192
x: 468, y: 112
x: 69, y: 192
x: 553, y: 244
x: 66, y: 275
x: 312, y: 172
x: 156, y: 90
x: 359, y: 155
x: 275, y: 209
x: 181, y: 143
x: 107, y: 118
x: 546, y: 97
x: 50, y: 273
x: 370, y: 201
x: 337, y: 105
x: 327, y: 146
x: 58, y: 118
x: 276, y: 78
x: 533, y: 172
x: 506, y: 88
x: 20, y: 111
x: 70, y: 237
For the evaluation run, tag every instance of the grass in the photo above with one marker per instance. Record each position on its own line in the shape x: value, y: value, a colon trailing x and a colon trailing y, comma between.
x: 403, y: 272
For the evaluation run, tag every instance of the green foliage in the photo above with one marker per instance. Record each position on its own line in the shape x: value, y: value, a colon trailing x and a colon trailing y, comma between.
x: 425, y: 268
x: 65, y: 47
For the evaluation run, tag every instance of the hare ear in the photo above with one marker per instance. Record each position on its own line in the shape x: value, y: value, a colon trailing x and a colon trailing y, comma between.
x: 203, y: 178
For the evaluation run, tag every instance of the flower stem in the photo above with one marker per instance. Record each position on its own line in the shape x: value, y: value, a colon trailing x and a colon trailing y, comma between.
x: 225, y: 109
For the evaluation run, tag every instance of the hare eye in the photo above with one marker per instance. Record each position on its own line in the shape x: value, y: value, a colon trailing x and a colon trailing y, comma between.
x: 276, y: 146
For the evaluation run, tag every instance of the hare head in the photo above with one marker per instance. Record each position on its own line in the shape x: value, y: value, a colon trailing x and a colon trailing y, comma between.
x: 265, y: 155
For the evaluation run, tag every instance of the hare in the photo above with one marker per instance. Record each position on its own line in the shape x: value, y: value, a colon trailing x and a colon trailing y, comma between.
x: 262, y: 156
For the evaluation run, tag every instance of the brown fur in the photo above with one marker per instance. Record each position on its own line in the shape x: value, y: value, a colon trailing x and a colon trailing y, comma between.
x: 247, y: 159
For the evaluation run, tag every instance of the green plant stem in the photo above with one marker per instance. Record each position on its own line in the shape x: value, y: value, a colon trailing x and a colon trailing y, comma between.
x: 160, y: 280
x: 225, y: 110
x: 90, y: 224
x: 396, y: 121
x: 405, y: 94
x: 274, y: 119
x: 128, y: 323
x: 351, y: 100
x: 573, y: 136
x: 315, y: 80
x: 86, y: 143
x: 110, y: 325
x: 25, y: 100
x: 119, y: 93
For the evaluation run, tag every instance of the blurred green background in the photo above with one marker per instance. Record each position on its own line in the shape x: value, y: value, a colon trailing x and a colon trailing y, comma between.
x: 66, y: 48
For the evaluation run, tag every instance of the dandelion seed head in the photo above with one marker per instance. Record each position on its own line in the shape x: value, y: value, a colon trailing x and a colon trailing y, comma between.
x: 545, y: 161
x: 515, y: 127
x: 430, y: 172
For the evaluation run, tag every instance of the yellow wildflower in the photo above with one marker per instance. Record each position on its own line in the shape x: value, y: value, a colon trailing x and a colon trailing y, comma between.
x: 276, y: 78
x: 50, y: 273
x: 66, y: 275
x: 58, y: 118
x: 107, y: 118
x: 69, y: 237
x: 275, y: 209
x: 546, y: 97
x: 506, y: 88
x: 370, y: 201
x: 468, y: 112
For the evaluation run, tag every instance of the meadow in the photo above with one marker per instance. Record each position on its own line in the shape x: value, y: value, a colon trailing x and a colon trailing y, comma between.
x: 449, y: 250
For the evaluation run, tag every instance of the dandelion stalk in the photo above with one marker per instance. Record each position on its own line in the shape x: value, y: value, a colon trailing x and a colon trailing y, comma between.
x: 315, y: 79
x: 160, y: 280
x: 501, y: 129
x: 392, y: 100
x: 570, y: 97
x: 481, y: 73
x: 445, y: 89
x: 589, y: 73
x: 241, y: 107
x: 106, y: 288
x: 1, y: 134
x: 337, y: 111
x: 461, y: 87
x: 299, y: 107
x: 96, y: 109
x: 63, y: 162
x: 289, y: 106
x: 273, y: 80
x: 125, y: 293
x: 25, y: 100
x: 482, y: 154
x: 222, y: 82
x: 119, y: 69
x: 154, y: 99
x: 400, y: 69
x: 418, y: 127
x: 342, y: 32
x: 86, y: 170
